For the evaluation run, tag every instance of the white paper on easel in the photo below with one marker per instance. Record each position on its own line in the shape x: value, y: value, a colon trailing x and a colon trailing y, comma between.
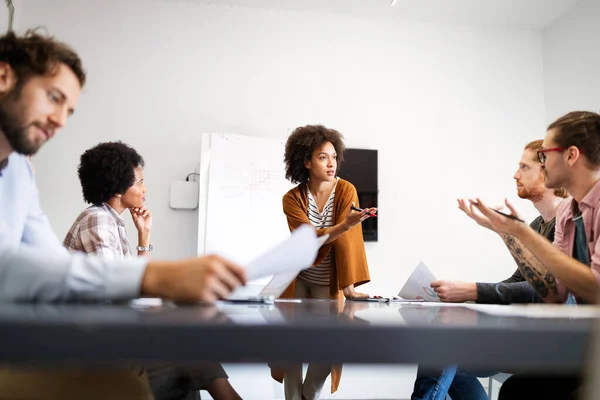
x: 418, y: 285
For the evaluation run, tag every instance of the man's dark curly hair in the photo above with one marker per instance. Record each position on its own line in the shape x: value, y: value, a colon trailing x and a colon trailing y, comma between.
x: 106, y: 170
x: 300, y: 147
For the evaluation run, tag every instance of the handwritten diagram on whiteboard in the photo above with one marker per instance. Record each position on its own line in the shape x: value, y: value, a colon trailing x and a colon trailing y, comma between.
x: 245, y: 187
x: 259, y: 181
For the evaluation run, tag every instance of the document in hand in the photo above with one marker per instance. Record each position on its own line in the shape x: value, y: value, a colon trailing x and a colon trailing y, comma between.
x: 283, y: 263
x: 418, y: 285
x: 292, y: 255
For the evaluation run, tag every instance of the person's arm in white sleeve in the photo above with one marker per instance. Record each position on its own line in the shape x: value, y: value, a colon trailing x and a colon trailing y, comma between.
x: 37, y: 231
x: 30, y: 275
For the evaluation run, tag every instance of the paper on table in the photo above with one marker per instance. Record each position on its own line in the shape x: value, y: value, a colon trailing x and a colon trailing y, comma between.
x: 401, y: 300
x: 418, y: 285
x: 538, y: 310
x: 292, y: 255
x: 144, y: 302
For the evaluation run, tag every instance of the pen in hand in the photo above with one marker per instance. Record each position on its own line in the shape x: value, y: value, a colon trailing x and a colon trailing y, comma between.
x: 502, y: 213
x: 508, y: 215
x: 372, y: 214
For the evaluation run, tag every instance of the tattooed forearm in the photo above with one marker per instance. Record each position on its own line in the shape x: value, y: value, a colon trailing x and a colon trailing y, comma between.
x: 533, y: 271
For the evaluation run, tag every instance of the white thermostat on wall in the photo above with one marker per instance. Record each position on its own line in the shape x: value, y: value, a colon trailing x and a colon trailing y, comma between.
x: 184, y: 195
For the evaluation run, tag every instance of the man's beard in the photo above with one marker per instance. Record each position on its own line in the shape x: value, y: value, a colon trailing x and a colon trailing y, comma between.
x: 14, y: 127
x: 534, y: 194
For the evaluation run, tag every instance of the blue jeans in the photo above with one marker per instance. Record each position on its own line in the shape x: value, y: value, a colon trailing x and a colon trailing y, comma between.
x: 460, y: 385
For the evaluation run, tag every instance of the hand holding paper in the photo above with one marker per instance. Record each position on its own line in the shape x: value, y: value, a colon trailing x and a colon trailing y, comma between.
x: 292, y: 255
x: 418, y: 285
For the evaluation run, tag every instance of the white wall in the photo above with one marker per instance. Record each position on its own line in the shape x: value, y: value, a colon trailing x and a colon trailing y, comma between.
x: 571, y: 60
x: 449, y: 109
x: 4, y: 15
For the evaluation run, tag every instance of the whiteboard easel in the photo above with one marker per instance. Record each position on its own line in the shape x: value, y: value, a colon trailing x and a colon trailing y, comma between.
x: 242, y: 183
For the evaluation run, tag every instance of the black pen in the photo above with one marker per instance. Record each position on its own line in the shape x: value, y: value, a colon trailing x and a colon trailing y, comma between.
x: 508, y: 215
x: 501, y: 213
x: 372, y: 214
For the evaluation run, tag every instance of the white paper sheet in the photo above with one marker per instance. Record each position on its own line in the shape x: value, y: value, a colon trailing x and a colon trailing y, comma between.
x: 538, y: 310
x: 292, y: 255
x: 322, y: 239
x: 279, y: 283
x: 146, y: 302
x: 418, y: 285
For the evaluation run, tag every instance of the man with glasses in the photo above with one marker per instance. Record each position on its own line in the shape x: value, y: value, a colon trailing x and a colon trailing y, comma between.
x: 529, y: 179
x: 570, y: 269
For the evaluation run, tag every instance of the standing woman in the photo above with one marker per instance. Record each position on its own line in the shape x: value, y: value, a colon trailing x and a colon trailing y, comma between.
x: 313, y: 154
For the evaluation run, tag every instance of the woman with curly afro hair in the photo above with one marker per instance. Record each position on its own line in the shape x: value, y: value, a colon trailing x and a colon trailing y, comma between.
x: 313, y: 154
x: 112, y: 182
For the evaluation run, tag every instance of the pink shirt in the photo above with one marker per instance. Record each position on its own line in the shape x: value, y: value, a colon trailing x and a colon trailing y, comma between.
x: 564, y: 235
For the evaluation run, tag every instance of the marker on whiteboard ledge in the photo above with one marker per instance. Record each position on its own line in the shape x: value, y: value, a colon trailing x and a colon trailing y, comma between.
x: 372, y: 214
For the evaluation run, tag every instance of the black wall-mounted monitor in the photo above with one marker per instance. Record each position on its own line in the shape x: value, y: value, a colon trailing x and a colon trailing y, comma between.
x: 360, y: 169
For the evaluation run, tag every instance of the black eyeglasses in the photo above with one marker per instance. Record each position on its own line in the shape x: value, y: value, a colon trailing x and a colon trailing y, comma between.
x: 541, y: 153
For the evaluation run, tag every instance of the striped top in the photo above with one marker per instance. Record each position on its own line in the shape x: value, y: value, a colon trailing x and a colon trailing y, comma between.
x: 319, y: 274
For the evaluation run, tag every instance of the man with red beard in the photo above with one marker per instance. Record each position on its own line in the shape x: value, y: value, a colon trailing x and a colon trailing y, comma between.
x: 568, y: 270
x: 530, y: 185
x: 435, y: 385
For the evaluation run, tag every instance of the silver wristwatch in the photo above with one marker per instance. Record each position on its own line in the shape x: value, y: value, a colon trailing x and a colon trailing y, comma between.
x: 141, y: 248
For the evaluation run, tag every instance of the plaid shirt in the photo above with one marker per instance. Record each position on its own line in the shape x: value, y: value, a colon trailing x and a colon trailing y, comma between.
x: 101, y: 231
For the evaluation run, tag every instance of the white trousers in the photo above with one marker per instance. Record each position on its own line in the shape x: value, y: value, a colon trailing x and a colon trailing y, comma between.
x: 310, y: 389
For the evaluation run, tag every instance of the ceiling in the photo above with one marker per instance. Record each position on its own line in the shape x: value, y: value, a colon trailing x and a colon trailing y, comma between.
x: 519, y: 14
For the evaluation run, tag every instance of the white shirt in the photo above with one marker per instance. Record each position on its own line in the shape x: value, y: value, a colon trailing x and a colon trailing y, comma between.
x: 33, y: 264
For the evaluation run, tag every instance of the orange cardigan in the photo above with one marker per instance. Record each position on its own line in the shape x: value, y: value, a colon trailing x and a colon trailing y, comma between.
x: 349, y: 261
x: 349, y: 264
